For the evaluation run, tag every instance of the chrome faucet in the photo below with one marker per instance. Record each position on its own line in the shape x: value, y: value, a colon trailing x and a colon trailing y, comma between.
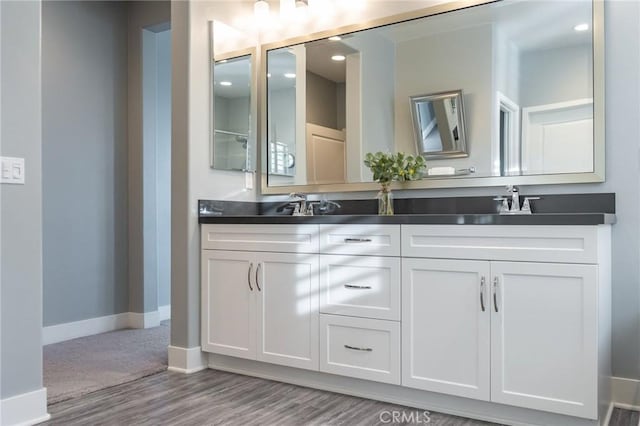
x: 324, y: 206
x: 300, y: 201
x: 515, y: 198
x: 515, y: 207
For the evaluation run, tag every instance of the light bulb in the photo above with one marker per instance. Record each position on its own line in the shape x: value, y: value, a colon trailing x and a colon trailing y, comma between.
x: 261, y: 9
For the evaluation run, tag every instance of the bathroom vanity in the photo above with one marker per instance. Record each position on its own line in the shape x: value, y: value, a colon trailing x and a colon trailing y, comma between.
x: 503, y: 322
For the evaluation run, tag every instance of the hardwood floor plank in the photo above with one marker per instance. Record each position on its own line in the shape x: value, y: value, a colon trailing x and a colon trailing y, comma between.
x: 218, y: 398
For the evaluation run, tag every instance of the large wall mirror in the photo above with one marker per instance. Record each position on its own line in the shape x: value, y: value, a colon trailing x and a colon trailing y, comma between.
x: 232, y: 146
x: 523, y: 79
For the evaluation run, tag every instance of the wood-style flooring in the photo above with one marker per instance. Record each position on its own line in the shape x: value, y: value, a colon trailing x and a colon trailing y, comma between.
x: 212, y: 397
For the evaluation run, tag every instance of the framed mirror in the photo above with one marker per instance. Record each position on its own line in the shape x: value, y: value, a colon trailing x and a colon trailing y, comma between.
x: 438, y: 125
x: 528, y: 98
x: 232, y: 146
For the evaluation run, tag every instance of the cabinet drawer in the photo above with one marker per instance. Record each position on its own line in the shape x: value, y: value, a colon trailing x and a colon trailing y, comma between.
x: 372, y: 240
x: 275, y: 238
x: 557, y: 244
x: 361, y: 348
x: 360, y: 286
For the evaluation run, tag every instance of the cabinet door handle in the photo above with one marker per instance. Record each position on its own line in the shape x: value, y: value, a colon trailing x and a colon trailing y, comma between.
x: 482, y: 293
x: 358, y: 287
x: 249, y: 276
x: 353, y: 348
x: 357, y: 240
x: 495, y: 291
x: 257, y: 273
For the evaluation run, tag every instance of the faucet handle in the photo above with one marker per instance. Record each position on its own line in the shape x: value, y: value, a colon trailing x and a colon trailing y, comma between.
x: 526, y: 205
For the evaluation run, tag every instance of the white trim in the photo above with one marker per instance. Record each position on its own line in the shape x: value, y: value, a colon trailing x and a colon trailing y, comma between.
x: 73, y: 330
x: 625, y: 393
x: 187, y: 360
x: 144, y: 320
x: 164, y: 312
x: 25, y: 409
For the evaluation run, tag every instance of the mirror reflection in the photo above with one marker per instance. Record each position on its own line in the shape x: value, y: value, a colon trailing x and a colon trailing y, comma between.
x: 231, y: 147
x: 522, y: 71
x: 438, y: 122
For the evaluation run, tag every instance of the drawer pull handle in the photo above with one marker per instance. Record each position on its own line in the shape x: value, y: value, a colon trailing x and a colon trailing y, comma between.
x: 249, y: 276
x: 357, y: 240
x: 257, y: 274
x: 482, y: 293
x: 495, y: 290
x: 358, y: 287
x: 353, y: 348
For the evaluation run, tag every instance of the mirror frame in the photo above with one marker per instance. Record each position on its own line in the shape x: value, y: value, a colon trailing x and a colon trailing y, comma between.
x: 598, y: 174
x: 255, y: 92
x: 417, y: 131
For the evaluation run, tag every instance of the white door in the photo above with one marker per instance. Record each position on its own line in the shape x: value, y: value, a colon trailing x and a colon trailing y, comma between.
x: 544, y: 337
x: 326, y: 157
x: 228, y: 303
x: 288, y: 329
x: 446, y: 326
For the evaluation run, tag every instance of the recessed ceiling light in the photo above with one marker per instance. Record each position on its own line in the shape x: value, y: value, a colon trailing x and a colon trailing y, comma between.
x: 335, y: 38
x: 290, y: 75
x: 338, y: 58
x: 225, y: 83
x: 581, y: 27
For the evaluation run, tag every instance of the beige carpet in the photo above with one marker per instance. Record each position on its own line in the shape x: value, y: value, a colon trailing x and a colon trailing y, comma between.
x: 79, y: 366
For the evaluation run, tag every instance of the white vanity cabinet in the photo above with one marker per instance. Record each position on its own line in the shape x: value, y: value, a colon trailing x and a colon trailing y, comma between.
x: 360, y: 301
x: 527, y: 334
x: 261, y: 305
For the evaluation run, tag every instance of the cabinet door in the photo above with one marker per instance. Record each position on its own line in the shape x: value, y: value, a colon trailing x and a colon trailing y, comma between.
x: 228, y: 303
x: 288, y: 309
x: 544, y: 337
x: 446, y: 326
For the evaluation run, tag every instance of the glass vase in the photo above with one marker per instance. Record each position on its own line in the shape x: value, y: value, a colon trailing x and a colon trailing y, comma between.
x: 385, y: 201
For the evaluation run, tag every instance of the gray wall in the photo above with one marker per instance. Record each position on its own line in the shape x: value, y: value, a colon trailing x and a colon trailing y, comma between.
x: 555, y: 75
x: 322, y: 101
x: 84, y: 100
x: 142, y: 218
x: 163, y: 165
x: 21, y: 221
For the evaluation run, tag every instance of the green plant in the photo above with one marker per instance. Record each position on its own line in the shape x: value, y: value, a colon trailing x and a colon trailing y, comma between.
x: 387, y: 167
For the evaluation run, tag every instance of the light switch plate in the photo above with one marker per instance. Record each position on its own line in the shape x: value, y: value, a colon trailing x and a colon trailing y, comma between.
x: 12, y: 170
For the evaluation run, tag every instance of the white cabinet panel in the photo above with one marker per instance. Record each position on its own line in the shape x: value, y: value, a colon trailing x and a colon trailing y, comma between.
x: 369, y: 240
x: 446, y: 326
x: 544, y: 337
x: 288, y: 309
x: 362, y: 348
x: 360, y: 286
x: 275, y: 238
x: 556, y: 244
x: 228, y: 303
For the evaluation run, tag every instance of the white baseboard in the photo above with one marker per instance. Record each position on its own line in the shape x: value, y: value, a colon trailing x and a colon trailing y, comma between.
x: 144, y: 320
x: 187, y: 360
x: 164, y: 312
x: 625, y: 393
x: 72, y: 330
x: 25, y: 409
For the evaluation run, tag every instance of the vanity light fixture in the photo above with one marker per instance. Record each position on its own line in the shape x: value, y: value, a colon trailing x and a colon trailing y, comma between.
x: 338, y: 58
x: 581, y: 27
x: 290, y: 75
x: 226, y: 83
x: 335, y: 38
x: 261, y: 9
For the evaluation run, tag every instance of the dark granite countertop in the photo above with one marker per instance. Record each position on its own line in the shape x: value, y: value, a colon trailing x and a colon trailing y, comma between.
x: 565, y: 209
x: 424, y: 219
